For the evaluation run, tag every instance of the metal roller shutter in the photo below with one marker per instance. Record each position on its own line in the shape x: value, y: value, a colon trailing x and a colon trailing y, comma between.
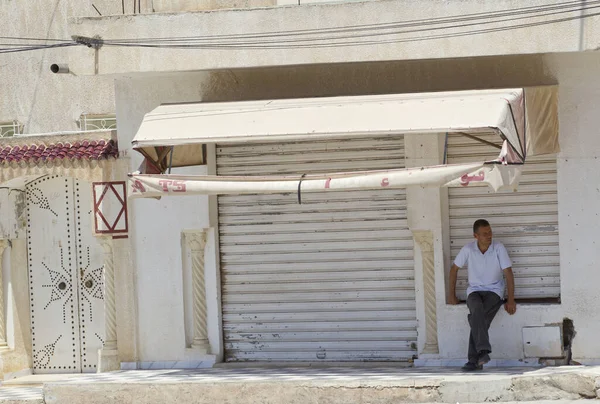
x: 525, y: 221
x: 331, y: 279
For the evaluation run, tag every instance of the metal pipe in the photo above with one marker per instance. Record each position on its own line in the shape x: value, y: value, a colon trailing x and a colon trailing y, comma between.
x: 59, y: 68
x: 446, y: 149
x: 171, y: 159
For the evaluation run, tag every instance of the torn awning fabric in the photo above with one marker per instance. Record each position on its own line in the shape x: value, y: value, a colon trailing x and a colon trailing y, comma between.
x: 175, y: 136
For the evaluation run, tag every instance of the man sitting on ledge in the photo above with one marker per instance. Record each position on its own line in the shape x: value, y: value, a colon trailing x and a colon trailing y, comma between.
x: 487, y: 264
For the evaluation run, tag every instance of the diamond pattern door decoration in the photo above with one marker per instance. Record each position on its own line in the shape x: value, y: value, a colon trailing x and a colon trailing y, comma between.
x: 65, y: 276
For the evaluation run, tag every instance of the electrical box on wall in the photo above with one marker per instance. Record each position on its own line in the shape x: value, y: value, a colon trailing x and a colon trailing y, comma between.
x: 543, y: 342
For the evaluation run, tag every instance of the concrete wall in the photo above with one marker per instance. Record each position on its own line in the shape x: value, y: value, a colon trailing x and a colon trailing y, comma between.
x: 167, y: 6
x: 31, y: 93
x: 397, y: 44
x: 157, y: 256
x: 18, y: 318
x: 162, y: 6
x: 579, y: 197
x: 156, y: 233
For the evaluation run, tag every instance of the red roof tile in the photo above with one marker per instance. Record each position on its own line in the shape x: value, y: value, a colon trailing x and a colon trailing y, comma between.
x: 88, y: 150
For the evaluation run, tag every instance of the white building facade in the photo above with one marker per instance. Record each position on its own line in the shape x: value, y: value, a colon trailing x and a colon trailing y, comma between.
x: 344, y: 276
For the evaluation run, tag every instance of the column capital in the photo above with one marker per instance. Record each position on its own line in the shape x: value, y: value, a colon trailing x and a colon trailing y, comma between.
x: 424, y: 238
x: 195, y: 239
x: 107, y: 244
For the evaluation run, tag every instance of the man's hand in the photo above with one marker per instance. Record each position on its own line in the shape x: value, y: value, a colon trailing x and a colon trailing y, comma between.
x: 510, y: 306
x: 453, y: 300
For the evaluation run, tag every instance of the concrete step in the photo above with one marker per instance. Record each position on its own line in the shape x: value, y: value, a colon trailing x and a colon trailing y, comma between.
x: 21, y: 395
x: 39, y: 380
x: 316, y: 386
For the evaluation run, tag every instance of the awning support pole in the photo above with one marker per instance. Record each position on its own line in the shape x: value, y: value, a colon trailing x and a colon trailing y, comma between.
x: 171, y: 159
x: 446, y: 149
x: 480, y: 140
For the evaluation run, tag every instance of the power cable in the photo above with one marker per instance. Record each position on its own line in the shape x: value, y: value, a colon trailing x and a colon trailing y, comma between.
x: 16, y: 38
x: 33, y: 48
x: 335, y: 42
x: 340, y: 36
x: 379, y: 26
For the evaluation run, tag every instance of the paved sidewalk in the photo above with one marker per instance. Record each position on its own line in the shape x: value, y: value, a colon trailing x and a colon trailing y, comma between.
x: 348, y: 385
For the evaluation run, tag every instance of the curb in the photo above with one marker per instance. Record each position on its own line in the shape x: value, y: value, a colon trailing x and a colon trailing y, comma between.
x: 562, y: 386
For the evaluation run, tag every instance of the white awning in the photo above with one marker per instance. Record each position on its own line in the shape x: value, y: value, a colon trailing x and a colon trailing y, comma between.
x: 526, y: 118
x: 497, y: 176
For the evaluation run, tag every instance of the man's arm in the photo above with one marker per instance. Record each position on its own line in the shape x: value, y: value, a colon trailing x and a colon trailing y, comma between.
x: 452, y: 299
x: 511, y: 305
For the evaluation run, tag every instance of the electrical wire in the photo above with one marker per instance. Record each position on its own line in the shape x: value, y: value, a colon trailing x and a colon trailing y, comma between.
x: 353, y: 35
x: 33, y: 48
x: 379, y: 26
x: 16, y: 38
x: 335, y: 42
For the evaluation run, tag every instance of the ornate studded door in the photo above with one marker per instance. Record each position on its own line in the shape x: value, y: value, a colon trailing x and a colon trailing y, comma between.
x: 65, y: 276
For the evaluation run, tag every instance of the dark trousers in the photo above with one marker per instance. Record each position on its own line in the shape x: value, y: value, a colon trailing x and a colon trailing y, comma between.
x: 483, y: 307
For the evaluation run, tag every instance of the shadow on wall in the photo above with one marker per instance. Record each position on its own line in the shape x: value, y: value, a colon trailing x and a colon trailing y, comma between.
x: 377, y: 78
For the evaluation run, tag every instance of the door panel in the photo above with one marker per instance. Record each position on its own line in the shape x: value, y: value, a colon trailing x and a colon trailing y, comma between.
x: 90, y: 261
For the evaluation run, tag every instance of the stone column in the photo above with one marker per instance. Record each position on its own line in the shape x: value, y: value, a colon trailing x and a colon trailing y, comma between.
x: 108, y: 357
x: 425, y: 241
x: 3, y: 344
x: 196, y: 242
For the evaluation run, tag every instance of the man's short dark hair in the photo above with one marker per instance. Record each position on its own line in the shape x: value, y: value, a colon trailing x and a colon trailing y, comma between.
x: 480, y: 223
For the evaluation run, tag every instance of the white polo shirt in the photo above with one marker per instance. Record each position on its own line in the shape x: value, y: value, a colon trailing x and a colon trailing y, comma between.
x: 485, y: 270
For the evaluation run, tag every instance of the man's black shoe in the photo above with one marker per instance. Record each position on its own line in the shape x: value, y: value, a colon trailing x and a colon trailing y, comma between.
x: 470, y: 367
x: 483, y: 359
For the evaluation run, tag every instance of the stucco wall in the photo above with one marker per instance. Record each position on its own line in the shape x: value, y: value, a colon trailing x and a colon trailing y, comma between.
x: 158, y: 264
x: 166, y: 6
x: 579, y: 197
x: 400, y: 43
x: 31, y: 93
x: 162, y: 6
x: 18, y: 318
x: 156, y: 231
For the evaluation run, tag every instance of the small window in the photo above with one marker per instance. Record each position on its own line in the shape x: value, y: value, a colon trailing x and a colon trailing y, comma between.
x: 11, y: 128
x: 97, y: 121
